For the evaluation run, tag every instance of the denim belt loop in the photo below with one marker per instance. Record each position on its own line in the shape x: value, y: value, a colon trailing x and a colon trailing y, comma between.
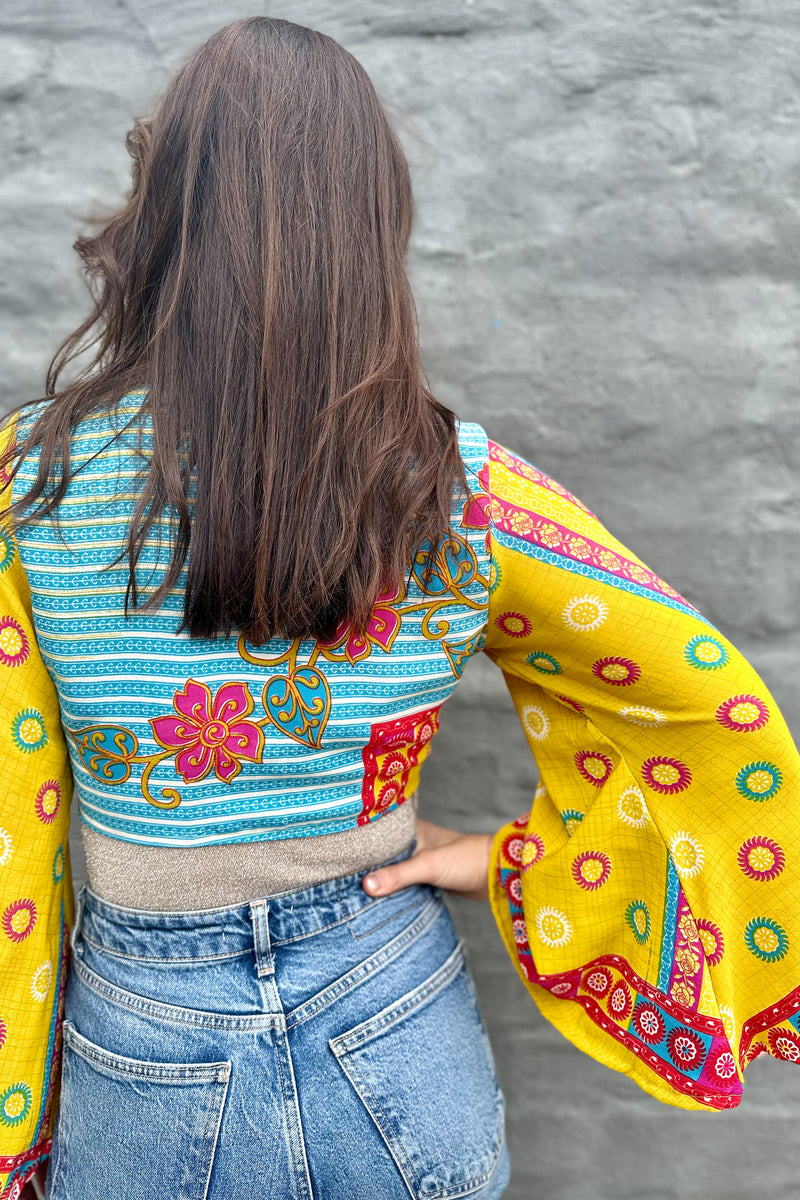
x: 259, y: 914
x: 76, y: 924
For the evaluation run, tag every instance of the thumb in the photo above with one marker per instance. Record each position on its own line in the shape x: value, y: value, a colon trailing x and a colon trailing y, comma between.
x: 399, y: 875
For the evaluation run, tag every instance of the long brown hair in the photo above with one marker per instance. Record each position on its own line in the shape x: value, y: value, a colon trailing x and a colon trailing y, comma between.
x: 255, y: 282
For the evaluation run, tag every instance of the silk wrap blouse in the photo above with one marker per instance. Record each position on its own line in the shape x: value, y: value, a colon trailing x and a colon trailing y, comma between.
x: 647, y: 899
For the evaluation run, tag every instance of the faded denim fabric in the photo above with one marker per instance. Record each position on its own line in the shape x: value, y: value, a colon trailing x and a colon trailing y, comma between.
x: 317, y: 1045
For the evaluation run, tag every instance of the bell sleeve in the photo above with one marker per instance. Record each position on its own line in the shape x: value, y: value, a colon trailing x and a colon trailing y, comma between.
x: 648, y: 900
x: 36, y: 899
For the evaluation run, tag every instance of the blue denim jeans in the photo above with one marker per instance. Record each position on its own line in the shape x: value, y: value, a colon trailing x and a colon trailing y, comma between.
x: 315, y: 1045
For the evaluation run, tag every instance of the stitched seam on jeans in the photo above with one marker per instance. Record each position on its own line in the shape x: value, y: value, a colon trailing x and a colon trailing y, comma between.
x: 365, y: 970
x: 213, y: 1148
x: 158, y: 959
x: 172, y: 1013
x: 363, y: 1092
x: 400, y: 1009
x: 396, y: 913
x: 166, y: 1072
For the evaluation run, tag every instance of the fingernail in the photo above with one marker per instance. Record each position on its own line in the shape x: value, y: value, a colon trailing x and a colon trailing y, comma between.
x: 373, y: 884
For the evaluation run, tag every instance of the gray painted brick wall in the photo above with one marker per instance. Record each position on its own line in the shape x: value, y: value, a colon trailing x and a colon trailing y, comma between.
x: 606, y: 264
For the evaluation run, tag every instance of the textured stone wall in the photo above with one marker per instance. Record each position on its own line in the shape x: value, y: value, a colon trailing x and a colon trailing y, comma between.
x: 605, y: 262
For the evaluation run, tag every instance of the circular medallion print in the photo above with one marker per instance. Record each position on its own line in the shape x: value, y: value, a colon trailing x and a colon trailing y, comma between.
x: 784, y: 1043
x: 15, y: 1103
x: 619, y: 672
x: 512, y: 849
x: 521, y: 822
x: 28, y: 731
x: 41, y: 980
x: 48, y: 801
x: 594, y: 766
x: 761, y: 858
x: 619, y: 1002
x: 535, y: 722
x: 514, y: 624
x: 637, y: 914
x: 584, y: 613
x: 666, y: 775
x: 598, y: 981
x: 591, y: 869
x: 728, y: 1022
x: 648, y: 1023
x: 743, y: 713
x: 571, y: 819
x: 573, y: 704
x: 532, y: 850
x: 705, y: 653
x: 686, y: 1048
x: 520, y: 931
x: 545, y: 664
x: 514, y: 889
x: 711, y: 940
x: 18, y: 919
x: 552, y: 926
x: 758, y: 781
x: 59, y: 863
x: 724, y: 1067
x: 640, y: 714
x: 687, y: 854
x: 14, y: 644
x: 631, y: 808
x: 766, y: 939
x: 7, y: 553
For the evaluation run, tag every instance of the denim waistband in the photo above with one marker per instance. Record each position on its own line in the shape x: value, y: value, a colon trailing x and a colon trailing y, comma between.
x: 261, y: 923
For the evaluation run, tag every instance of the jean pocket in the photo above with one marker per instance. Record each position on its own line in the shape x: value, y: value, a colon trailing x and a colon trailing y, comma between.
x: 423, y: 1069
x: 130, y: 1130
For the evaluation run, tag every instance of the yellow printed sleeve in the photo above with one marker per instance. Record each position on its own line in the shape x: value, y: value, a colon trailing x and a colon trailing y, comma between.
x: 649, y: 898
x: 36, y: 901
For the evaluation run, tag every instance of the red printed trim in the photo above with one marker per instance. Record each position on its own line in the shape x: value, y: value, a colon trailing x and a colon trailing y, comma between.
x: 760, y: 1022
x: 394, y: 748
x: 522, y: 469
x: 563, y: 985
x: 551, y: 535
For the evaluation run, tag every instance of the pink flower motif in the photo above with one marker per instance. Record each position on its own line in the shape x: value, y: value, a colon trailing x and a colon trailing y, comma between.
x: 475, y: 514
x: 743, y: 713
x: 382, y: 628
x: 19, y: 919
x: 209, y: 732
x: 520, y: 931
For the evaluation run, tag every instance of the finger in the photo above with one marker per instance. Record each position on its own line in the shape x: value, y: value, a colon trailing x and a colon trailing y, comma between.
x: 416, y: 869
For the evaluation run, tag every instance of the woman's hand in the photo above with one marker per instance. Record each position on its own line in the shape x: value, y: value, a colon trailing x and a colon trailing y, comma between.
x: 457, y: 862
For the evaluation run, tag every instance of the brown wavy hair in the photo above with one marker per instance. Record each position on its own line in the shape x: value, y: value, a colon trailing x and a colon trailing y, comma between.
x: 256, y: 283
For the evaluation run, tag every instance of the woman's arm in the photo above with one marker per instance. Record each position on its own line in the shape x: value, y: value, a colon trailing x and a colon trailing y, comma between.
x: 648, y: 899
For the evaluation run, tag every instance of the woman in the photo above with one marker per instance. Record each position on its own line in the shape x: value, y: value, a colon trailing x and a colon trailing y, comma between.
x: 251, y: 555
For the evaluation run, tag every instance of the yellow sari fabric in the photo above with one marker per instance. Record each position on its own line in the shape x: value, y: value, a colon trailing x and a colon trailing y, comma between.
x: 36, y: 900
x: 649, y: 898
